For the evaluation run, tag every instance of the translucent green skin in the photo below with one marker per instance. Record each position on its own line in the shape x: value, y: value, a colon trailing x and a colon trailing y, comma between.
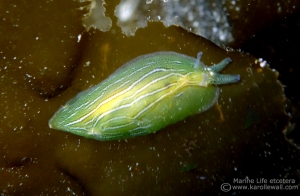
x: 143, y: 96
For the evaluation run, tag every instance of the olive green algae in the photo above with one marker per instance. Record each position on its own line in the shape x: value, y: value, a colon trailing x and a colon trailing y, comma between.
x: 240, y: 136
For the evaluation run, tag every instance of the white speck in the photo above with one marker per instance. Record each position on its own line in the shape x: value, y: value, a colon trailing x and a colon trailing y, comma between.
x: 87, y: 64
x: 262, y: 62
x: 215, y: 29
x: 149, y: 1
x: 37, y: 38
x: 195, y: 24
x: 202, y: 177
x: 126, y: 9
x: 79, y: 38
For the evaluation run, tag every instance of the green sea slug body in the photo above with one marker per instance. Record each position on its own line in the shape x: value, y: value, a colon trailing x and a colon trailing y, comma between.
x: 143, y: 96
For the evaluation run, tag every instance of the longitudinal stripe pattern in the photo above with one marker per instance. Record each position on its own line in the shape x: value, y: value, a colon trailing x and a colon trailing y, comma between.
x: 124, y: 97
x: 141, y: 97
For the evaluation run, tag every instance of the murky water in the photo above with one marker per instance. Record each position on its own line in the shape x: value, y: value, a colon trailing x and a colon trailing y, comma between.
x: 47, y: 57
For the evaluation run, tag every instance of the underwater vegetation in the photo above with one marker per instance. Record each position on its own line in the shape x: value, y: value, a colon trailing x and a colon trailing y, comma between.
x: 47, y: 57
